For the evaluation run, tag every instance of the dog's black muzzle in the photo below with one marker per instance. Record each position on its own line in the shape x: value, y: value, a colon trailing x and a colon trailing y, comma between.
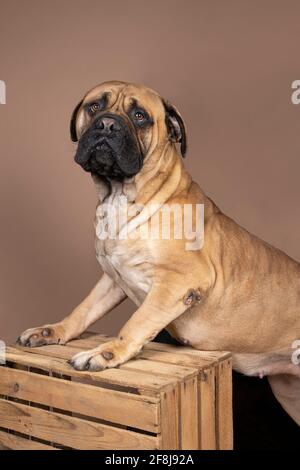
x: 109, y: 147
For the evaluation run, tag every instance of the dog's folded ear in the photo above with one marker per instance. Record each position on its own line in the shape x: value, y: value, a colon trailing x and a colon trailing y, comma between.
x: 73, y: 130
x: 175, y: 126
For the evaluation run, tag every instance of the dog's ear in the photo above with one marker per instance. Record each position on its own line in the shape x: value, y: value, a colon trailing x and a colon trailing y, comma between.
x: 175, y: 126
x: 73, y: 131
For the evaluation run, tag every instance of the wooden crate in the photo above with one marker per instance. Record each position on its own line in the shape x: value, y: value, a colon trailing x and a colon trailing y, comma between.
x: 169, y: 397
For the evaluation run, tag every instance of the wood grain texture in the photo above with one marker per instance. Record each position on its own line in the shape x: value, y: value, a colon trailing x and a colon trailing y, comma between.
x: 209, y: 356
x: 174, y: 358
x: 13, y: 442
x: 179, y: 394
x: 158, y: 366
x: 207, y: 412
x: 189, y: 432
x: 224, y: 406
x: 170, y: 435
x: 121, y: 377
x: 110, y: 405
x: 69, y: 431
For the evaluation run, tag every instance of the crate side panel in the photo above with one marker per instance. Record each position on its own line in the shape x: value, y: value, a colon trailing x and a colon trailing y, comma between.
x: 69, y: 431
x: 118, y: 407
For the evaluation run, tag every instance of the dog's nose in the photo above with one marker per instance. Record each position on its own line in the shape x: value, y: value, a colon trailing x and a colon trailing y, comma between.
x: 108, y: 125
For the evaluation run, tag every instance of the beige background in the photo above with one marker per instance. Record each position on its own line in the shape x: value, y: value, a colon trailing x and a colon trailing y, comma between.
x: 228, y: 66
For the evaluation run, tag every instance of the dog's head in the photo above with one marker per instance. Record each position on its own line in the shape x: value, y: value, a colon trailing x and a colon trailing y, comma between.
x: 118, y: 125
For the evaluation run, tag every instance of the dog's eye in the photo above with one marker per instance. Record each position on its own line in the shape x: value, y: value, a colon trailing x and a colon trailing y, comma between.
x: 94, y: 107
x: 139, y: 116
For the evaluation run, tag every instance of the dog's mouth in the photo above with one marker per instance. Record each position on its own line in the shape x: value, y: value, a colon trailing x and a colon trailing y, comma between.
x: 102, y: 161
x: 102, y: 144
x: 102, y: 152
x: 116, y: 157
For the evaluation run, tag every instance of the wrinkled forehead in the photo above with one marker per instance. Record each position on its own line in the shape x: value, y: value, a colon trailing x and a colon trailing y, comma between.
x: 123, y: 95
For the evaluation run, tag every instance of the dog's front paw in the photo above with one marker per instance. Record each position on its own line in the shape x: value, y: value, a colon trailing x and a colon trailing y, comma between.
x: 108, y: 355
x: 48, y: 334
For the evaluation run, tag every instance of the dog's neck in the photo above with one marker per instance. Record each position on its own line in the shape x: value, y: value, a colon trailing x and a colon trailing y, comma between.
x: 162, y: 176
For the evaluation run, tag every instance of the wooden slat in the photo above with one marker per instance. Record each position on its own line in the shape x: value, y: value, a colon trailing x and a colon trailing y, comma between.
x: 93, y: 335
x: 118, y: 407
x: 209, y: 356
x: 207, y: 416
x: 121, y: 377
x: 172, y: 358
x: 156, y: 352
x: 170, y: 435
x: 189, y: 438
x: 89, y: 342
x: 160, y: 368
x: 51, y: 351
x: 156, y: 367
x: 69, y: 431
x: 13, y: 442
x: 224, y: 406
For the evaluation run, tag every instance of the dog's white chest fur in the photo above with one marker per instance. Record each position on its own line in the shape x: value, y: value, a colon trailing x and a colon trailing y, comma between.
x: 123, y: 260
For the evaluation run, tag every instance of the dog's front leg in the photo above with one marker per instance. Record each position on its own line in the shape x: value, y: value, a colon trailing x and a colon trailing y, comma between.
x: 160, y: 308
x: 103, y: 298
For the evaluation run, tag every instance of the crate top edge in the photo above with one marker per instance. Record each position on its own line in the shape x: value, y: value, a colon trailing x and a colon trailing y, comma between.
x: 125, y: 378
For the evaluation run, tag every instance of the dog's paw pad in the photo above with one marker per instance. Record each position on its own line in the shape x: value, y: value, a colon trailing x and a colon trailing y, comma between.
x: 42, y: 336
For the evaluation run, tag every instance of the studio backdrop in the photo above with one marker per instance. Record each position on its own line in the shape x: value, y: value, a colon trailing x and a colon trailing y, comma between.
x: 229, y: 68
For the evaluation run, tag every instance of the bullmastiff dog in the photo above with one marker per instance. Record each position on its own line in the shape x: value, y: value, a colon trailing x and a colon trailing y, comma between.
x: 234, y: 292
